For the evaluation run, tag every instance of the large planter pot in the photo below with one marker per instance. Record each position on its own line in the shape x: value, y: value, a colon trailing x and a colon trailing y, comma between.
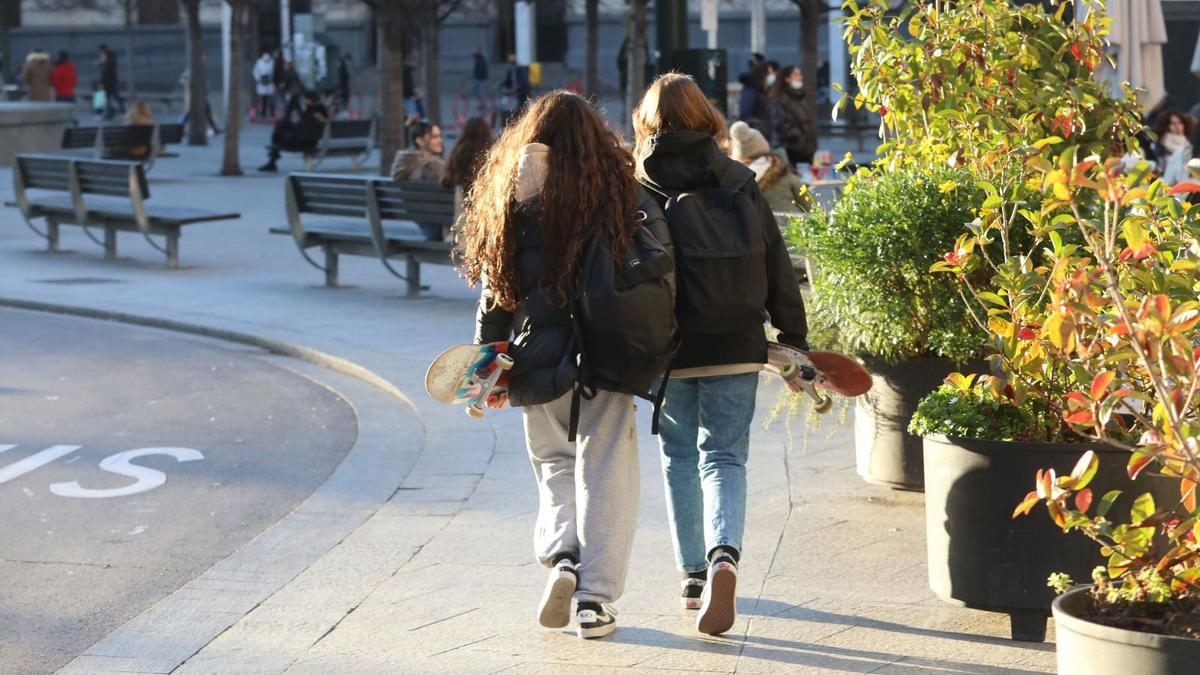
x: 1086, y: 648
x: 885, y: 453
x: 979, y: 555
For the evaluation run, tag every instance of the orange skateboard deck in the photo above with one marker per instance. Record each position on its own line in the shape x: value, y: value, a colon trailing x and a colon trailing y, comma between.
x: 813, y: 373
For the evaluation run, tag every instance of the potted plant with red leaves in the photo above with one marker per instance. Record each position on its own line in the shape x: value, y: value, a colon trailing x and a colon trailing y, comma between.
x: 983, y: 86
x: 1128, y: 300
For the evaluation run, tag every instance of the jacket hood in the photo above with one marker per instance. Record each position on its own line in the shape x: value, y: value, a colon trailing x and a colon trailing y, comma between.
x: 37, y: 56
x: 681, y: 160
x: 532, y: 167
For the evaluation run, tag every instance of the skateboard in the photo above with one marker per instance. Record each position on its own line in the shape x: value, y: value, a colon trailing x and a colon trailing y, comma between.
x: 469, y: 374
x: 813, y: 373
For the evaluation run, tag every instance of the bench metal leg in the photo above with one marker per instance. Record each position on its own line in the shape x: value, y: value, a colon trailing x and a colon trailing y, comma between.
x: 331, y: 266
x: 413, y: 272
x: 52, y: 235
x: 173, y: 249
x: 110, y: 243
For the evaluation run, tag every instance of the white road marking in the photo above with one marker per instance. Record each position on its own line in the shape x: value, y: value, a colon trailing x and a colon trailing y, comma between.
x: 24, y: 466
x: 147, y: 478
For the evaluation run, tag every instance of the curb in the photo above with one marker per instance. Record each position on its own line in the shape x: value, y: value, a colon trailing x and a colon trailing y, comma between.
x: 308, y: 354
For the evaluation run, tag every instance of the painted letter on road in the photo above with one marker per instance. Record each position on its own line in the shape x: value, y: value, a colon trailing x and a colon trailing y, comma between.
x: 147, y: 478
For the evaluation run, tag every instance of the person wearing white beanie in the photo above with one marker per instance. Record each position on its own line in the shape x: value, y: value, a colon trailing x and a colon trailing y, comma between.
x: 778, y: 183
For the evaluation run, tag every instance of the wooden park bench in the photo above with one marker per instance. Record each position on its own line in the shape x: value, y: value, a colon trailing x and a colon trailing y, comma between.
x: 109, y: 195
x: 343, y: 138
x: 119, y: 142
x: 368, y: 216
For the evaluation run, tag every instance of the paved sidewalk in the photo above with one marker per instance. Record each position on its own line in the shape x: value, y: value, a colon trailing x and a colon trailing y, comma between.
x: 434, y: 572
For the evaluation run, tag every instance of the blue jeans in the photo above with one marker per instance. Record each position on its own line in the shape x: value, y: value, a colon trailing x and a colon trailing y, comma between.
x: 705, y: 438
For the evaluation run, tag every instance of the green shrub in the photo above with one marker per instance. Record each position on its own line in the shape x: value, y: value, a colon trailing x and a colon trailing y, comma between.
x: 872, y: 290
x: 969, y: 413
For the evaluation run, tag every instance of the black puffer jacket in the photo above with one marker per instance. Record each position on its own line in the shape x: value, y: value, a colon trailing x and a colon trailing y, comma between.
x: 542, y: 332
x: 681, y: 161
x: 793, y: 126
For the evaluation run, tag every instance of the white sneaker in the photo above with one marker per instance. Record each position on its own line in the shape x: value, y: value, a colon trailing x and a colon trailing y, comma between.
x: 719, y: 607
x: 555, y: 609
x: 595, y: 619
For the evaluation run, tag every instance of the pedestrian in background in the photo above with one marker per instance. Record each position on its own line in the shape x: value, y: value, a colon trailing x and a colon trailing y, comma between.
x: 792, y: 125
x: 712, y: 204
x: 753, y: 106
x: 776, y: 180
x: 558, y: 176
x: 299, y: 129
x: 479, y: 74
x: 264, y: 84
x: 139, y: 115
x: 107, y: 63
x: 185, y: 81
x: 344, y: 64
x: 36, y: 74
x: 422, y: 161
x: 64, y: 79
x: 468, y: 154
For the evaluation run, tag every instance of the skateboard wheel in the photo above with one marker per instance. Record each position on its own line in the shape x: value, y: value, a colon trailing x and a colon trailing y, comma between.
x: 475, y: 413
x: 788, y: 370
x: 504, y: 361
x: 824, y: 405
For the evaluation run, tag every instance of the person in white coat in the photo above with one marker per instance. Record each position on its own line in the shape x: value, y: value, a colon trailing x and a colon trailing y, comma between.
x: 264, y: 84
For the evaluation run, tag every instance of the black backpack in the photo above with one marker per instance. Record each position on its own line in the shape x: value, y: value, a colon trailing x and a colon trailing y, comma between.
x: 624, y: 315
x: 720, y: 259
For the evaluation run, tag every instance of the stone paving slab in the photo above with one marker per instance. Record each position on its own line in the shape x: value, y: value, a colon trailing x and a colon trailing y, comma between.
x: 438, y: 577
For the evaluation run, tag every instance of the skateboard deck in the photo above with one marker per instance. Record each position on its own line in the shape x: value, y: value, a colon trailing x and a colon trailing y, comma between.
x: 809, y: 372
x: 469, y: 374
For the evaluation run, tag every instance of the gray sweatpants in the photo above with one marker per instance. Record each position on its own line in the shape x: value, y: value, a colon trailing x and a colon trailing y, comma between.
x: 588, y: 490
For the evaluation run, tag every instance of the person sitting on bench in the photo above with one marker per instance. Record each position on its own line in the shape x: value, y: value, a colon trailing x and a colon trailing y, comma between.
x: 300, y: 128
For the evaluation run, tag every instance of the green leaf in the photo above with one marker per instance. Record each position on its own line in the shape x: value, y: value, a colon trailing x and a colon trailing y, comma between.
x: 1106, y: 502
x: 991, y: 297
x: 1143, y: 508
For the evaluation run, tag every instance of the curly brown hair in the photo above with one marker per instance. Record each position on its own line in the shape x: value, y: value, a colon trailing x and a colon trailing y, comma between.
x: 469, y: 151
x: 589, y: 188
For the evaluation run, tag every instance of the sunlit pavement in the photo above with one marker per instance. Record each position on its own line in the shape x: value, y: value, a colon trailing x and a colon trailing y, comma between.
x: 415, y: 555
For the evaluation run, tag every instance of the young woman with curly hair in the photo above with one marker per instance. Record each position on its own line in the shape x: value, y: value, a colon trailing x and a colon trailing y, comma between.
x: 705, y: 430
x: 555, y: 177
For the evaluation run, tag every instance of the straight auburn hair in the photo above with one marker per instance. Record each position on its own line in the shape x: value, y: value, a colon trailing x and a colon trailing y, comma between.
x: 675, y: 103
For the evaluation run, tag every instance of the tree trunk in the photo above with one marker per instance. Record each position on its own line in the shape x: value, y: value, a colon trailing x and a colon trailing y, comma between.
x: 231, y: 163
x: 130, y: 7
x: 637, y: 54
x: 810, y: 30
x: 590, y: 83
x: 429, y: 45
x: 5, y: 22
x: 505, y: 41
x: 197, y: 128
x: 392, y: 26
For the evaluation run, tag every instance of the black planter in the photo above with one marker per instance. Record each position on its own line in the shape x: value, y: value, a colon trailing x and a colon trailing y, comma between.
x: 1093, y: 649
x: 981, y: 557
x: 885, y: 453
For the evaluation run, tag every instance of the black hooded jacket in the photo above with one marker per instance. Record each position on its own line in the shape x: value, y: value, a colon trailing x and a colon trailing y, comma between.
x: 682, y: 161
x: 541, y: 330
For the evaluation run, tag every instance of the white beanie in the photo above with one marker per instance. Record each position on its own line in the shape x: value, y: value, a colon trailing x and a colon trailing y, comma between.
x: 748, y: 142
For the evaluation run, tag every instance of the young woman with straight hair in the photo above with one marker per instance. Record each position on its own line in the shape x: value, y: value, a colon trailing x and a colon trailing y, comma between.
x: 715, y: 212
x: 557, y: 176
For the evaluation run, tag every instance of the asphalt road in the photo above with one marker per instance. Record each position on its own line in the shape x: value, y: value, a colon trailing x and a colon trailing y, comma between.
x: 130, y: 461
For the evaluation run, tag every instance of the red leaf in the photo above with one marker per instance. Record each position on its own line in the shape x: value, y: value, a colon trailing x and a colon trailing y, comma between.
x: 1145, y: 250
x: 1184, y: 188
x: 1137, y: 463
x: 1083, y: 499
x: 1026, y: 505
x: 1081, y: 417
x: 1026, y: 333
x: 1080, y: 398
x: 1100, y: 384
